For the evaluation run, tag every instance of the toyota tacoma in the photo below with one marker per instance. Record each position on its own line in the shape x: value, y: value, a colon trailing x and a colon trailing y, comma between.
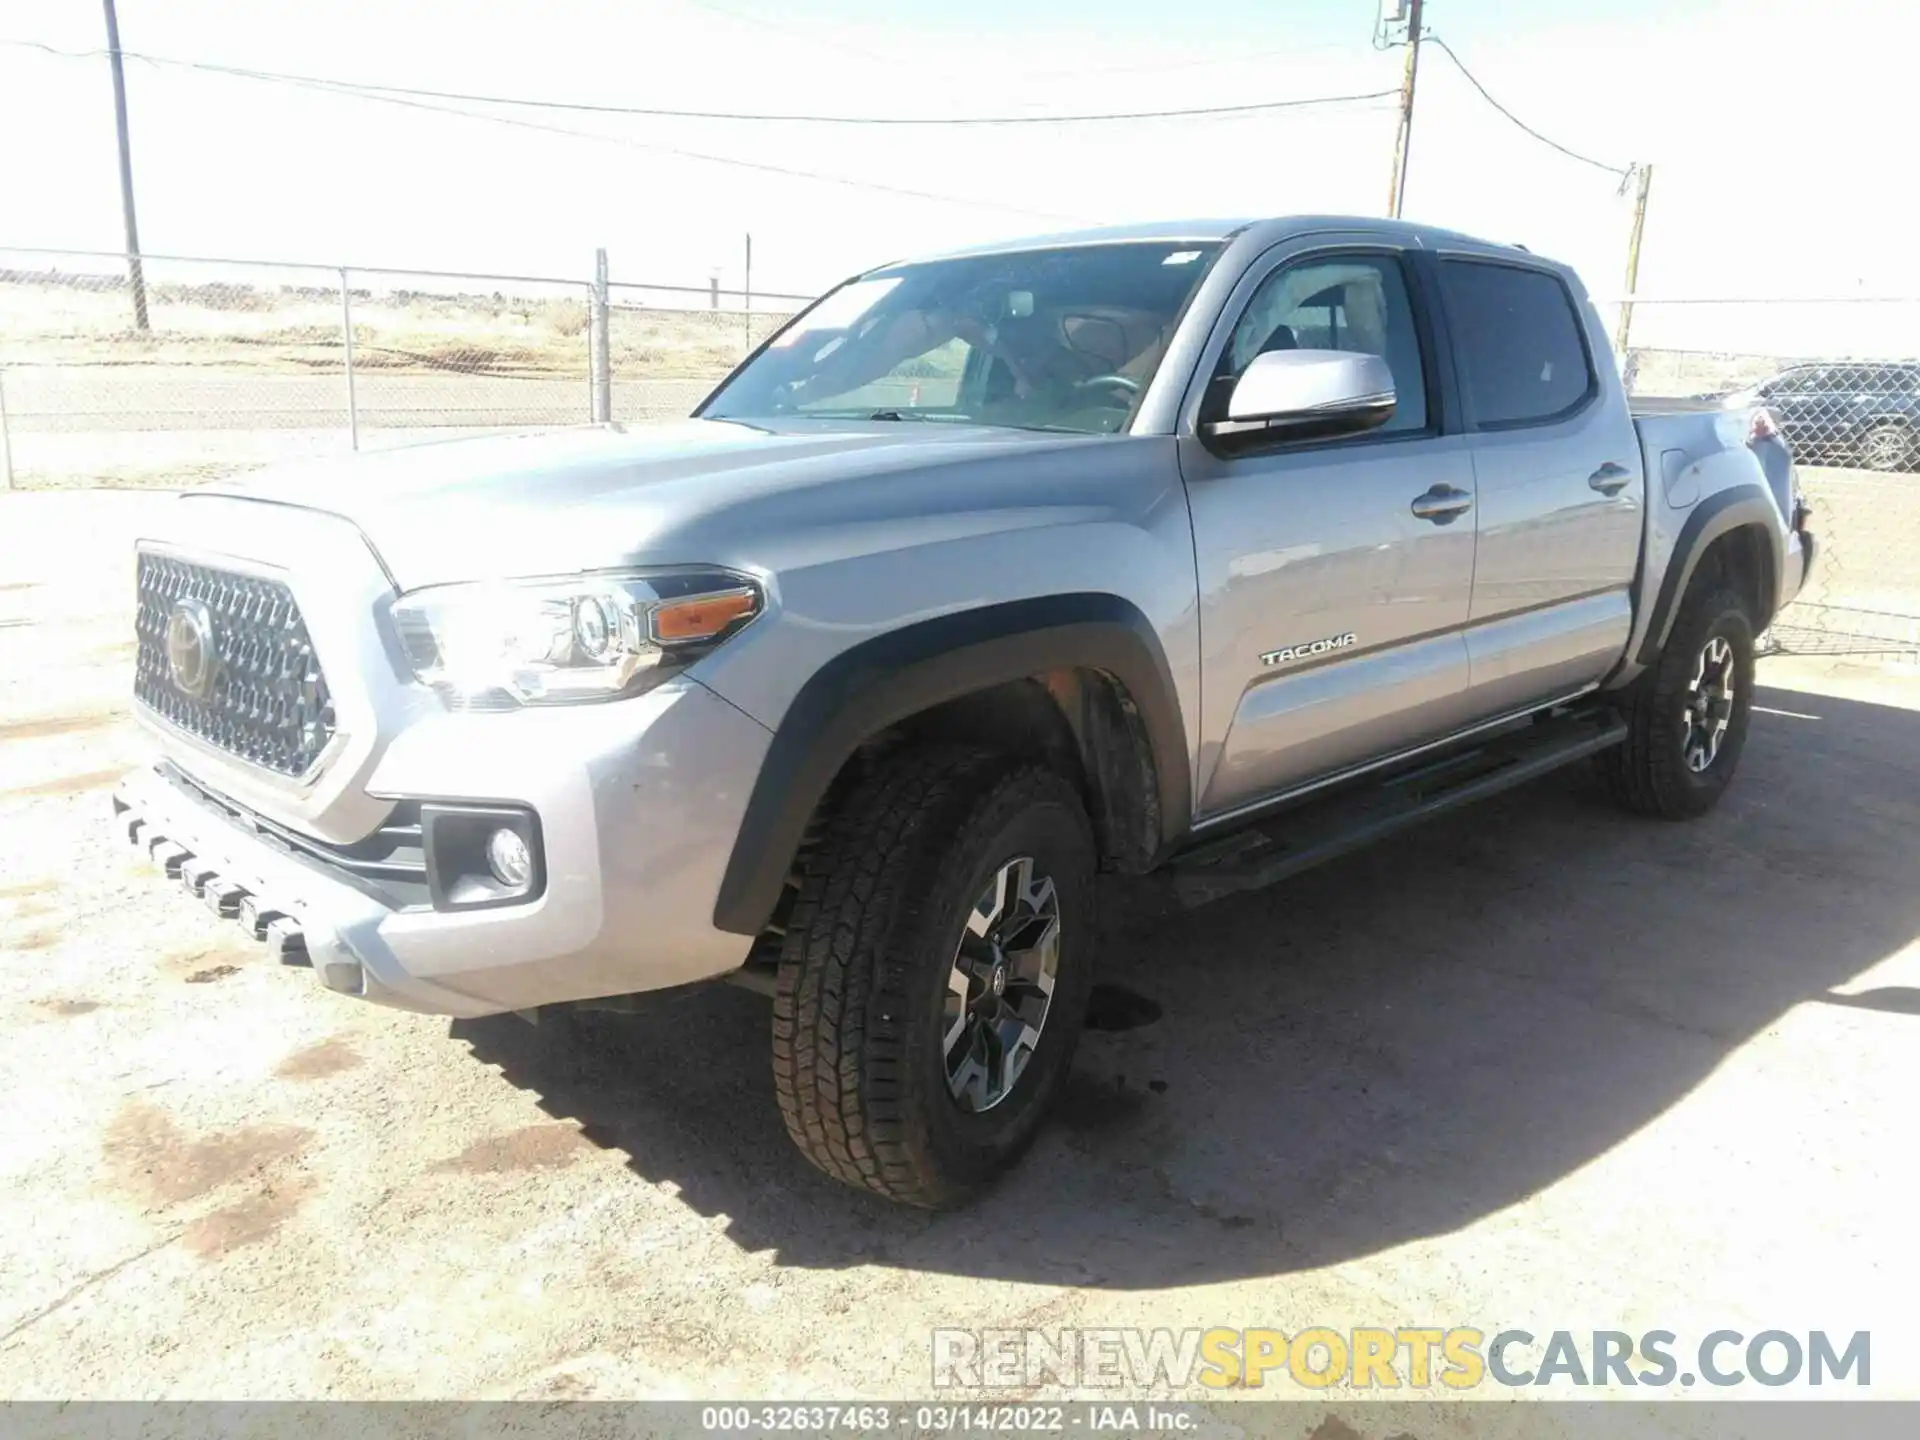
x: 1204, y: 549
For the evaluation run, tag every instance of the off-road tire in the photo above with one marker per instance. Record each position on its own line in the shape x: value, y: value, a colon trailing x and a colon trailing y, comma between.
x: 1648, y: 774
x: 858, y: 1062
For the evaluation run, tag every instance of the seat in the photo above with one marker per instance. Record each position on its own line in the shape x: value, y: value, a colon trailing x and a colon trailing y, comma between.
x: 1282, y: 338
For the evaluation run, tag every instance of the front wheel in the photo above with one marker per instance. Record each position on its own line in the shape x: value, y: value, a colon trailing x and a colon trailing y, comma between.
x: 1687, y: 716
x: 934, y: 974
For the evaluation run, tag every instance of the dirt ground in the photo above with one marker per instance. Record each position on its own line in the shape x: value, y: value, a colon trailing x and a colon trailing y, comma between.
x: 1538, y: 1065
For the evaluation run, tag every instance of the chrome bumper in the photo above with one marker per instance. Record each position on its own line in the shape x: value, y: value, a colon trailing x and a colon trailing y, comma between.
x: 639, y: 803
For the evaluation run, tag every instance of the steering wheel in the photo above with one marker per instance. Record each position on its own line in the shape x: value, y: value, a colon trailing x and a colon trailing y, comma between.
x: 1125, y: 384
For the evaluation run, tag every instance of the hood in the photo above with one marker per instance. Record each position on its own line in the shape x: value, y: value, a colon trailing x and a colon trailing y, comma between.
x: 553, y: 502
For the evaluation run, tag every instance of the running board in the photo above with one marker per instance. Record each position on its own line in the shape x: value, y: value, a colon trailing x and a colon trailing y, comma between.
x: 1332, y: 824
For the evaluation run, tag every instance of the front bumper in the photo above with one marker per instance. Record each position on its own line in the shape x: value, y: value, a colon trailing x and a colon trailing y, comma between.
x: 639, y: 802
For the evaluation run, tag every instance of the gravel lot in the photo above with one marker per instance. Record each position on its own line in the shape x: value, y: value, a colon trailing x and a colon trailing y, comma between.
x: 1539, y: 1065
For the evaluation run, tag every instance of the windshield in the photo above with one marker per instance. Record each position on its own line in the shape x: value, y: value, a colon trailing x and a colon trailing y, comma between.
x: 1061, y: 339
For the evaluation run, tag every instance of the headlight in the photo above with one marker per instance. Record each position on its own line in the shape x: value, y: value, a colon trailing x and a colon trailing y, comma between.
x: 585, y: 637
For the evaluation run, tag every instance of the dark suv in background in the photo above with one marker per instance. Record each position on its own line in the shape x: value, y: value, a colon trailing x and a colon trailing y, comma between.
x: 1861, y: 413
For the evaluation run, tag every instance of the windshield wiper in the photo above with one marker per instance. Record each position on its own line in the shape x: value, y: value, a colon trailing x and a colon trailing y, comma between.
x: 931, y: 416
x: 936, y: 415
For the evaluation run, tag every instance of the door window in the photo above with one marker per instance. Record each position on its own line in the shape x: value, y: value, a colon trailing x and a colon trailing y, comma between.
x: 1356, y: 303
x: 1519, y: 339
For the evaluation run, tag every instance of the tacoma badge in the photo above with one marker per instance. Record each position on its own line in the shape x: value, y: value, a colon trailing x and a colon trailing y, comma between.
x: 1311, y: 648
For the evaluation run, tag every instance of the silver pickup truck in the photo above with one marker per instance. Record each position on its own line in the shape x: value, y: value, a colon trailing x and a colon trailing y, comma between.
x: 1207, y: 549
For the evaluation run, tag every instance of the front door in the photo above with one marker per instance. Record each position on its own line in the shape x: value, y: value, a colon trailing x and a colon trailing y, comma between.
x: 1335, y: 576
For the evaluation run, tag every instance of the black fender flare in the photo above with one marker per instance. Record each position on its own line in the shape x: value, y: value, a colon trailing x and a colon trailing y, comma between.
x: 1721, y: 512
x: 881, y: 681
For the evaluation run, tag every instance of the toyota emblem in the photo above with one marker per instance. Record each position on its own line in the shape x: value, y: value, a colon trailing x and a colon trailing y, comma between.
x: 190, y: 653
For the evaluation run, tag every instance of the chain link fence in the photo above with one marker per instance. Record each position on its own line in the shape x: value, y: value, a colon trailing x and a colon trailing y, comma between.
x: 668, y: 345
x: 243, y: 363
x: 1842, y: 375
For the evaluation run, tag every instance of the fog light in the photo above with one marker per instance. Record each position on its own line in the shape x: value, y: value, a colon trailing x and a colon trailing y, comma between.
x: 509, y: 859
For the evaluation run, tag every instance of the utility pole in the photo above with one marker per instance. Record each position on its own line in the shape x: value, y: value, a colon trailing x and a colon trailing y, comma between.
x: 135, y: 275
x: 600, y: 342
x: 1391, y: 13
x: 1645, y: 175
x: 746, y: 292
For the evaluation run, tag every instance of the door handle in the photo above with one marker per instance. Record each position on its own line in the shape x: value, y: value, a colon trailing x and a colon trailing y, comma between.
x: 1442, y: 504
x: 1610, y: 479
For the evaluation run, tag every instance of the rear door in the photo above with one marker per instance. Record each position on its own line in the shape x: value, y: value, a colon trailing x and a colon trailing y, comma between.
x: 1331, y: 613
x: 1559, y: 484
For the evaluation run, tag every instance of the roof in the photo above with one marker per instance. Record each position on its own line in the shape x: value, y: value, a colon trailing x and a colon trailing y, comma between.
x: 1274, y: 228
x: 1143, y: 231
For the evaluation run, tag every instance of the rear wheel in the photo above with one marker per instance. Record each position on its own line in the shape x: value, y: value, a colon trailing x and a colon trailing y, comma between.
x: 1887, y: 446
x: 935, y: 973
x: 1687, y: 716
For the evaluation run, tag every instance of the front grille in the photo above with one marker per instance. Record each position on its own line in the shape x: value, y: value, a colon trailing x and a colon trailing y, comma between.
x: 263, y: 697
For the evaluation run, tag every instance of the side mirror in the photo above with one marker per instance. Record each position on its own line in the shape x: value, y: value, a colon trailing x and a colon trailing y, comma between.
x: 1306, y: 395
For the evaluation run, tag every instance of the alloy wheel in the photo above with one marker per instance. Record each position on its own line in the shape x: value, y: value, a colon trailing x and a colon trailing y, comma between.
x: 1885, y: 448
x: 1000, y: 988
x: 1709, y: 704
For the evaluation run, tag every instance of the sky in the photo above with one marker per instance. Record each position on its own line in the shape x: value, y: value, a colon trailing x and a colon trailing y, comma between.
x: 1768, y: 122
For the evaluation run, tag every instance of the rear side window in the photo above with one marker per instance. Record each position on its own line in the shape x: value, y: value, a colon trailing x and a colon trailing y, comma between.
x: 1518, y: 336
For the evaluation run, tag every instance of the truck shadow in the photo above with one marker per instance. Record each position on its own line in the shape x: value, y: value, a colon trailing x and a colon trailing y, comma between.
x: 1390, y: 1048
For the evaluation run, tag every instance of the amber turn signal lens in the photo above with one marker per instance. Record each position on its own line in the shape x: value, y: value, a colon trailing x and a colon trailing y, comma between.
x: 701, y: 617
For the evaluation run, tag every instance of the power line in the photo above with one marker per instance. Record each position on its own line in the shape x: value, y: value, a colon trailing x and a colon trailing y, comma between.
x: 659, y: 113
x: 1619, y: 171
x: 653, y: 112
x: 734, y: 162
x: 762, y: 166
x: 334, y: 88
